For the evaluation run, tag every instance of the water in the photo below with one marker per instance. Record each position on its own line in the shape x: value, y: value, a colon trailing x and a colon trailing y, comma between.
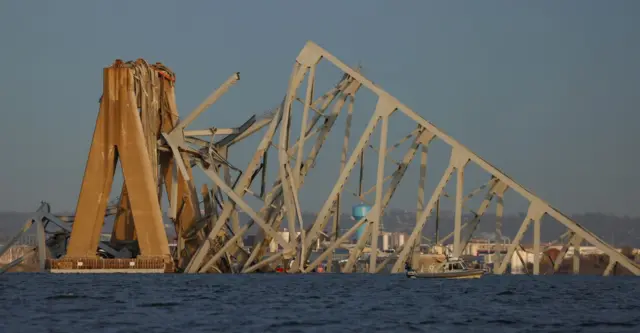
x: 316, y: 303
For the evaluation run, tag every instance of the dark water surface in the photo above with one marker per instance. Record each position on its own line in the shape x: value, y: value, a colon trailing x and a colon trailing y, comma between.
x: 316, y: 303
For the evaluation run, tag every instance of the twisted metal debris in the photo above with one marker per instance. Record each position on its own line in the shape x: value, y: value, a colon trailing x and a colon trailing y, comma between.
x: 138, y: 125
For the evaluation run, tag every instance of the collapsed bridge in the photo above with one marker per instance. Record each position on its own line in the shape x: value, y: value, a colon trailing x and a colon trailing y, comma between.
x: 138, y: 125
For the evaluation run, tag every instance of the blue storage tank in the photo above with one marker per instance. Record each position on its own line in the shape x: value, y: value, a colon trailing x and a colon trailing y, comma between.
x: 360, y: 231
x: 358, y: 212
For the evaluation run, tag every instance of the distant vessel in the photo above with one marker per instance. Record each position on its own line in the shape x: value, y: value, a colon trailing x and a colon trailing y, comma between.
x: 453, y: 268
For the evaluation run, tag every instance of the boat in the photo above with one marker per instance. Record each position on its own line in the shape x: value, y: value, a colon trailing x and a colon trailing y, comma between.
x: 453, y: 268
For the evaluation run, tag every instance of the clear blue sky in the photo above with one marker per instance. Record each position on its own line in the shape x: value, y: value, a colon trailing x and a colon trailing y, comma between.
x: 548, y: 91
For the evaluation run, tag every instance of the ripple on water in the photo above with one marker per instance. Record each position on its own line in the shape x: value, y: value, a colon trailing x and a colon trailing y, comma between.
x: 158, y: 304
x: 65, y: 296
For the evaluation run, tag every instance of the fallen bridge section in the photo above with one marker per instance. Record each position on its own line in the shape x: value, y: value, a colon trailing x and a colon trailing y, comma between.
x: 138, y: 125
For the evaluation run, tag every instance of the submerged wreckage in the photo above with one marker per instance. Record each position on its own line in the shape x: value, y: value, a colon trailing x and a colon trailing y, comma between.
x: 138, y: 125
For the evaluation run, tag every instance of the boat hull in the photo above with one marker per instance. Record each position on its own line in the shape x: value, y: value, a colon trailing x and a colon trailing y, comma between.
x: 469, y: 274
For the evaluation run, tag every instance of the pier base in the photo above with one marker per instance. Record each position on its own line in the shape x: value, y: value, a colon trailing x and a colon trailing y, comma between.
x: 100, y: 265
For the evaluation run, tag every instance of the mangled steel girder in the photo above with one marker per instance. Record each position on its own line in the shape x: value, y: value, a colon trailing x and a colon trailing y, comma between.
x: 308, y: 59
x: 241, y: 188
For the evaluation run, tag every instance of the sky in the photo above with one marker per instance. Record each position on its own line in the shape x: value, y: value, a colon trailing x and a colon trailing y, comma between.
x: 547, y: 91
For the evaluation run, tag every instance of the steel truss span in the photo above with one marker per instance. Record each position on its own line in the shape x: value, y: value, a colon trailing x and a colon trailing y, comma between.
x: 138, y: 126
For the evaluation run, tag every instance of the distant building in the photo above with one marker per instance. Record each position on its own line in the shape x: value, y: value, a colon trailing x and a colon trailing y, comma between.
x: 397, y: 239
x: 386, y: 237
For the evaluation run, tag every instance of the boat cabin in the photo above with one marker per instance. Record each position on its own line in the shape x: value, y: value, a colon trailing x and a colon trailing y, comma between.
x: 454, y: 265
x: 450, y: 265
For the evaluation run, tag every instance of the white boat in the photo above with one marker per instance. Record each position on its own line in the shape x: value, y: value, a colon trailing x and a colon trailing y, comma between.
x: 453, y: 268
